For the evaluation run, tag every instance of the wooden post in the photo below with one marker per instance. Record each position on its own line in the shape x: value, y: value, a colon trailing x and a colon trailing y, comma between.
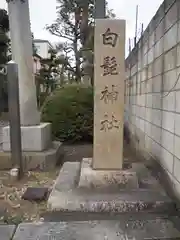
x: 14, y: 116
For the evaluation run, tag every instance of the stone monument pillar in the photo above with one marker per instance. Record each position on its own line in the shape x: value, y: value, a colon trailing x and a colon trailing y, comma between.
x: 106, y: 167
x: 101, y: 178
x: 21, y: 44
x: 35, y: 136
x: 109, y: 75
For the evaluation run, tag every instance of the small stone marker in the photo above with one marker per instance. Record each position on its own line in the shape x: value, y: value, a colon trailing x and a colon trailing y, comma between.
x: 109, y: 94
x: 35, y: 194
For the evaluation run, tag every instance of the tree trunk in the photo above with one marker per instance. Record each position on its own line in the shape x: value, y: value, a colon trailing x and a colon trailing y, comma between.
x: 84, y: 31
x: 76, y: 52
x: 62, y: 75
x: 78, y: 70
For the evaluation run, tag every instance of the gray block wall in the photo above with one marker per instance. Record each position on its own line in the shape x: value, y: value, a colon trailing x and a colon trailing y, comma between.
x: 152, y: 91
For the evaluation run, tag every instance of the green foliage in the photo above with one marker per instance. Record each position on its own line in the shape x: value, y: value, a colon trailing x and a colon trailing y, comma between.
x: 70, y: 110
x: 49, y: 70
x: 4, y: 45
x: 4, y: 40
x: 42, y: 98
x: 4, y: 20
x: 75, y: 24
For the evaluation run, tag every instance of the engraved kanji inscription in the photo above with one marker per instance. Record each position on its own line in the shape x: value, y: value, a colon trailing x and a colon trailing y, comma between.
x: 109, y: 96
x: 109, y: 124
x: 109, y: 66
x: 22, y: 1
x: 110, y: 38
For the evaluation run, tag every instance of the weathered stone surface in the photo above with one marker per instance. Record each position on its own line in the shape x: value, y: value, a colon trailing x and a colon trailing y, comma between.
x: 35, y: 194
x: 33, y: 138
x: 101, y: 230
x: 68, y: 176
x: 120, y: 202
x: 43, y: 161
x: 145, y: 178
x: 21, y: 45
x: 119, y: 179
x: 109, y: 75
x: 7, y: 231
x: 90, y: 216
x: 68, y: 196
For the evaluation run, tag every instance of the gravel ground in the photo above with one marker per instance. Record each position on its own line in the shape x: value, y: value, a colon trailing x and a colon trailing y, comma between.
x: 13, y: 209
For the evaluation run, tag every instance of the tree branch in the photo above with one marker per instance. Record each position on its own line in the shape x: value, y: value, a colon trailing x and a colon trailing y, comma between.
x: 58, y: 34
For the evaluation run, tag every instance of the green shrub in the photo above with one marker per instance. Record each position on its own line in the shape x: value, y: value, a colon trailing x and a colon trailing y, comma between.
x: 70, y: 110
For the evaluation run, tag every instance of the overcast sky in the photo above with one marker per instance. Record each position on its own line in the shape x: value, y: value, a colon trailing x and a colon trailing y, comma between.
x: 43, y: 12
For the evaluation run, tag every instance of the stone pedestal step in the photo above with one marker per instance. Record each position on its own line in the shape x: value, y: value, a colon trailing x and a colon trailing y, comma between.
x: 102, y: 230
x: 68, y: 196
x: 123, y: 201
x: 69, y: 178
x: 82, y: 216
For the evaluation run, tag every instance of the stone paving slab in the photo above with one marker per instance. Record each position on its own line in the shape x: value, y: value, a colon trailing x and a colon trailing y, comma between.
x: 7, y: 232
x: 68, y: 176
x: 98, y: 230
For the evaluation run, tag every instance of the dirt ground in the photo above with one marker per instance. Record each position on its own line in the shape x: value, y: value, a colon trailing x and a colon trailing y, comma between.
x: 13, y: 209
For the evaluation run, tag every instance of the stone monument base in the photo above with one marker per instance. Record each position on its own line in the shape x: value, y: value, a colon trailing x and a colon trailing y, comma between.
x: 33, y: 138
x: 43, y: 161
x: 79, y: 188
x: 121, y: 179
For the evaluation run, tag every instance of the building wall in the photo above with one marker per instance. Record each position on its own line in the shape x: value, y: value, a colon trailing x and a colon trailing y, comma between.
x: 42, y: 49
x: 36, y: 64
x: 152, y: 94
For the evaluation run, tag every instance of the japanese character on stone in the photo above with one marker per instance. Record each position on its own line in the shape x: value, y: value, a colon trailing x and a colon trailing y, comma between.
x: 125, y: 236
x: 110, y: 38
x: 107, y: 124
x: 110, y: 66
x: 22, y: 1
x: 108, y: 96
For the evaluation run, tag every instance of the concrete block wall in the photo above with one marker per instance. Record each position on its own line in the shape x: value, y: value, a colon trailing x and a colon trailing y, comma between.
x: 152, y: 91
